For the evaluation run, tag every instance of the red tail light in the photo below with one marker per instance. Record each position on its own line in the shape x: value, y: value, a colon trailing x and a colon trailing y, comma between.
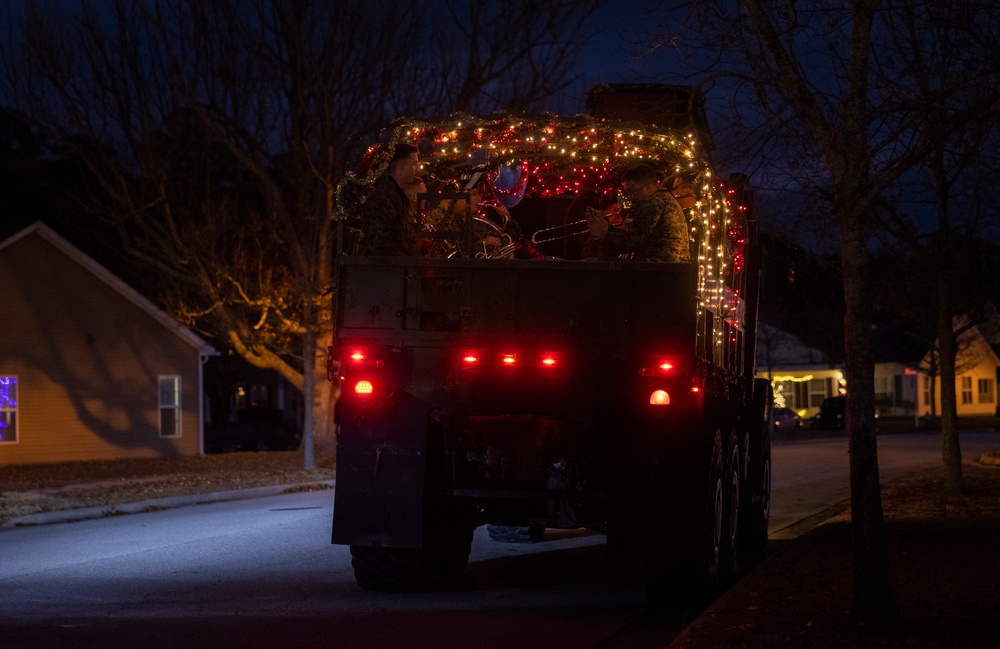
x: 524, y: 360
x: 363, y: 388
x: 656, y: 367
x: 659, y: 398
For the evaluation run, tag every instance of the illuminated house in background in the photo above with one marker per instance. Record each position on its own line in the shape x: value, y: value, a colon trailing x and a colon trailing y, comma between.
x: 977, y: 372
x: 90, y: 369
x: 803, y: 376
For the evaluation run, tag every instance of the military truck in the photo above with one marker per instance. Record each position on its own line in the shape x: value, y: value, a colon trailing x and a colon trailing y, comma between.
x: 529, y: 386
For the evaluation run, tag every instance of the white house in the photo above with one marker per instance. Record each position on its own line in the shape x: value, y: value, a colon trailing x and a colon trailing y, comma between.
x: 977, y: 370
x: 802, y: 376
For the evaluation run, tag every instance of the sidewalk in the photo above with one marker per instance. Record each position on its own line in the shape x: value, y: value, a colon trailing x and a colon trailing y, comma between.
x: 158, y: 504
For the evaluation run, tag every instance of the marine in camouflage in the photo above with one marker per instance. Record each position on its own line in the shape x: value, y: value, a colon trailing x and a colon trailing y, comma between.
x: 386, y: 227
x: 656, y: 230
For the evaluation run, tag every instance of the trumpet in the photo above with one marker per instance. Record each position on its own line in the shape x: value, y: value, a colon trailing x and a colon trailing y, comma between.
x: 566, y: 230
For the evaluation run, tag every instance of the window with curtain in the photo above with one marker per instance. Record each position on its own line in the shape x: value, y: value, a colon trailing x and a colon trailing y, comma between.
x: 170, y: 406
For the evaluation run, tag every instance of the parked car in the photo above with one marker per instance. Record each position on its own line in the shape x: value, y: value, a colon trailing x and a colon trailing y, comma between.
x: 832, y: 414
x: 783, y: 419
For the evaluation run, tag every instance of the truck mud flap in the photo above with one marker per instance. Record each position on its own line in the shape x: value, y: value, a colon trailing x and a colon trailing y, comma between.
x: 381, y: 463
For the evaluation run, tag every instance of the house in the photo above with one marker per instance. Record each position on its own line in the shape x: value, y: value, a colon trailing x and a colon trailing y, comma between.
x: 977, y: 370
x: 802, y: 377
x: 90, y: 369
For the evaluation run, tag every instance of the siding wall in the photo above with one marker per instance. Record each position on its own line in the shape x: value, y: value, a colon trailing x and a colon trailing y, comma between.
x: 87, y: 362
x: 976, y: 361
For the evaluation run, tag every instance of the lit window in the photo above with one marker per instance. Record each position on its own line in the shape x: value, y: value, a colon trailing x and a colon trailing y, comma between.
x: 986, y: 392
x: 818, y: 391
x: 8, y: 409
x: 966, y: 382
x: 170, y: 406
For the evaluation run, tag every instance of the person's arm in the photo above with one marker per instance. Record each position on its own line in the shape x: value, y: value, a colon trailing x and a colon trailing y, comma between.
x: 633, y: 236
x: 678, y: 244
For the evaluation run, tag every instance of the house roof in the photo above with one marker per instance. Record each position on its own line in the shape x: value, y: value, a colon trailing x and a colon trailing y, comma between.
x: 123, y: 289
x: 987, y: 331
x: 990, y: 331
x: 778, y: 348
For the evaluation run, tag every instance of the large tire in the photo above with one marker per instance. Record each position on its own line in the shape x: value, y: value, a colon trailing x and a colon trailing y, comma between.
x: 515, y: 534
x: 756, y: 512
x: 439, y: 564
x: 390, y: 569
x: 732, y: 479
x: 690, y: 570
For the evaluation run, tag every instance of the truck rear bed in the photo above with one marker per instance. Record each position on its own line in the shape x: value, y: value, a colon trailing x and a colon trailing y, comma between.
x: 415, y: 302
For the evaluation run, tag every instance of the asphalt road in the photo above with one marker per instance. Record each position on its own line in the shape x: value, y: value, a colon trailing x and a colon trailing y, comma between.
x: 261, y: 573
x: 811, y: 477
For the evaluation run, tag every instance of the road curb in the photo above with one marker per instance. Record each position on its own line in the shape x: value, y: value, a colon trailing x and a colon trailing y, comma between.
x: 158, y: 504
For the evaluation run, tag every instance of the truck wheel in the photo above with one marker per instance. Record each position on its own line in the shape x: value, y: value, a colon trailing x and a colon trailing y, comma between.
x: 732, y: 479
x: 515, y: 534
x: 688, y: 570
x: 756, y: 512
x: 390, y: 569
x: 440, y: 564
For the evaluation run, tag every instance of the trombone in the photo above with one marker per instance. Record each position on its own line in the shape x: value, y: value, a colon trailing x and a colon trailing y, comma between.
x: 566, y: 230
x: 574, y: 228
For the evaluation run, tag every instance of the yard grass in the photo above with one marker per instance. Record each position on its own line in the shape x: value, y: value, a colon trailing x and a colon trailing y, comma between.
x: 33, y: 488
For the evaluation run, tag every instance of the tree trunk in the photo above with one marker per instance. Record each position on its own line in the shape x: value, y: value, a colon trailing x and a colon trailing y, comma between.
x: 325, y: 395
x: 308, y: 420
x: 873, y: 600
x: 951, y: 451
x: 325, y: 392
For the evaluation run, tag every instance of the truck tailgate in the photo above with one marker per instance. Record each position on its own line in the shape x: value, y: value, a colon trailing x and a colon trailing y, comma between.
x: 416, y: 302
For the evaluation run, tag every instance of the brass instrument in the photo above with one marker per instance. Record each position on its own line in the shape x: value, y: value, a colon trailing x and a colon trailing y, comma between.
x: 573, y: 229
x: 451, y: 243
x: 507, y: 245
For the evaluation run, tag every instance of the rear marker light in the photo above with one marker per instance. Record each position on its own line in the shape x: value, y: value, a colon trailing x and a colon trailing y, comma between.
x: 471, y: 358
x: 548, y: 361
x: 363, y: 387
x: 358, y: 356
x: 509, y: 359
x: 657, y: 369
x: 659, y: 398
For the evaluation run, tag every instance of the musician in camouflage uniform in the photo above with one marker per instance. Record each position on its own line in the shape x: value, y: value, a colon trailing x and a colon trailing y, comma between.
x: 655, y: 228
x: 387, y: 227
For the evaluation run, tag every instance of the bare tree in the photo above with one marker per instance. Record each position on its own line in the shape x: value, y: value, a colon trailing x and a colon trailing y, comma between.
x: 213, y: 134
x: 948, y: 183
x: 824, y: 97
